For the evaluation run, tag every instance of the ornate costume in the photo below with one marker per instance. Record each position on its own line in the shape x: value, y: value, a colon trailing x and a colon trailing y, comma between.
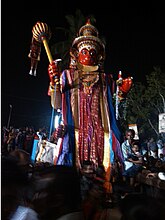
x: 87, y: 110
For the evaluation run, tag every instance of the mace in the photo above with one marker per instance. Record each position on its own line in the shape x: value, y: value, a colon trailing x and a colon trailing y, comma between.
x: 41, y: 34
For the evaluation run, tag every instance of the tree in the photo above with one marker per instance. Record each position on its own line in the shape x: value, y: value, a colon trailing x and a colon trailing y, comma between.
x: 145, y: 102
x: 62, y: 48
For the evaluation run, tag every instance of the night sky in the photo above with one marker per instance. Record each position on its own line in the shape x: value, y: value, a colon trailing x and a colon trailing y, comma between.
x: 134, y: 32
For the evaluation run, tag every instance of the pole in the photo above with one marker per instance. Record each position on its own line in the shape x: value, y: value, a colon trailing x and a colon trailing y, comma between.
x: 117, y: 95
x: 52, y: 117
x: 47, y: 50
x: 117, y: 102
x: 42, y: 33
x: 9, y: 118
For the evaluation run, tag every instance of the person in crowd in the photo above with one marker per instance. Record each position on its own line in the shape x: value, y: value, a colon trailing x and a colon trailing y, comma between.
x: 15, y: 201
x: 29, y: 138
x: 4, y: 138
x: 40, y: 134
x: 95, y: 199
x: 141, y: 206
x: 20, y: 138
x: 57, y: 193
x: 152, y: 148
x: 86, y: 178
x: 131, y: 165
x: 22, y: 158
x: 162, y: 157
x: 136, y: 155
x: 126, y: 147
x: 137, y: 158
x: 11, y: 139
x: 144, y: 152
x: 160, y: 144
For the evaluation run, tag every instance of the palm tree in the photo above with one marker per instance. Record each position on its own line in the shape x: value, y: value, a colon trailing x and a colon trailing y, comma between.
x: 61, y: 49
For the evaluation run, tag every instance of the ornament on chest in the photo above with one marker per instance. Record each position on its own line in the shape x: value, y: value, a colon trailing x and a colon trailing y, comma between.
x: 88, y: 80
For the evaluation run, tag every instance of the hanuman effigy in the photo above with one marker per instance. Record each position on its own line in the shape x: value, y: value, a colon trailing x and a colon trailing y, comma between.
x: 83, y: 93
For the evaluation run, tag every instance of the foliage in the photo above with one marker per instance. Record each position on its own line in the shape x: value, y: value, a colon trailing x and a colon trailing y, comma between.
x: 62, y: 48
x: 145, y: 102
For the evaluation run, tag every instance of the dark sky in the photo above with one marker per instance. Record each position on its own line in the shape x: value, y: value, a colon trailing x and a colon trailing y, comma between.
x: 134, y: 32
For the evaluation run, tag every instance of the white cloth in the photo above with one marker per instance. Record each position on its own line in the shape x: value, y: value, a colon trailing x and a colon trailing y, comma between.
x: 39, y: 135
x: 24, y: 213
x: 153, y: 154
x: 126, y: 149
x: 161, y: 175
x: 48, y: 151
x: 160, y: 151
x: 72, y: 216
x: 160, y: 146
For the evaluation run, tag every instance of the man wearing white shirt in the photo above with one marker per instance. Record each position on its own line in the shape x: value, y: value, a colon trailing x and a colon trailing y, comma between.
x: 126, y: 148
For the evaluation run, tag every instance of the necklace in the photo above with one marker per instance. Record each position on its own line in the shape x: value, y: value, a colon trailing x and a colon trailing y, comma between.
x: 88, y: 80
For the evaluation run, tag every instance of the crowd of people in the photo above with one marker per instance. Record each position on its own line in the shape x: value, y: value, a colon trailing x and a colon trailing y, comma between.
x: 136, y: 154
x: 91, y: 197
x: 20, y: 138
x: 139, y: 156
x: 45, y: 191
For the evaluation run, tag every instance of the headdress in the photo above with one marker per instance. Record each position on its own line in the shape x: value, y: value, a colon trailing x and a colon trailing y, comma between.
x: 88, y: 38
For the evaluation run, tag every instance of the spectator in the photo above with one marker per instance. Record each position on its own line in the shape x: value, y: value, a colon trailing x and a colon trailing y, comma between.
x: 162, y: 157
x: 95, y: 198
x: 57, y: 193
x: 132, y: 166
x: 152, y: 148
x: 160, y: 145
x: 136, y: 155
x: 15, y: 187
x: 20, y: 138
x: 29, y: 138
x: 22, y: 158
x: 4, y: 138
x: 137, y: 159
x: 135, y: 207
x: 87, y: 176
x: 11, y: 140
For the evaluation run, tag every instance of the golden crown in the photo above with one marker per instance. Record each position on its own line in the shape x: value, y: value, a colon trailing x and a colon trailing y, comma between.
x: 88, y: 38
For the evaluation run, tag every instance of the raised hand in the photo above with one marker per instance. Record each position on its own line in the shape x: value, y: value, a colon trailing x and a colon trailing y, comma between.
x: 54, y: 73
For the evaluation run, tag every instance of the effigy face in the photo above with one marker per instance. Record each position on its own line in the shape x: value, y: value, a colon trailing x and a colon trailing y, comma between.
x: 87, y: 57
x: 88, y: 49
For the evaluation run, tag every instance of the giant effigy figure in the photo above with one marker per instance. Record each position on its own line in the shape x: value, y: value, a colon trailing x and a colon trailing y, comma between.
x: 86, y: 103
x: 83, y: 94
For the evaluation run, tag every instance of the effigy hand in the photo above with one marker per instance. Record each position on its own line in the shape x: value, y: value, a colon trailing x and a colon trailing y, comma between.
x: 54, y: 73
x: 59, y: 132
x: 54, y: 87
x: 126, y: 85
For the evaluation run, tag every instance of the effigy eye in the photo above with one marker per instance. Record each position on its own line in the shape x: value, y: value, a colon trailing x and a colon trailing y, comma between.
x: 84, y: 51
x: 92, y: 52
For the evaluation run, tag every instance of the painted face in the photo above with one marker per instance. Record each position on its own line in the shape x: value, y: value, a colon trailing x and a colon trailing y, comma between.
x: 87, y: 56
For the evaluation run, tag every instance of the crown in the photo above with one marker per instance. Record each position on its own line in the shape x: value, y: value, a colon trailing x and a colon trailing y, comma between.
x: 88, y: 30
x: 88, y: 38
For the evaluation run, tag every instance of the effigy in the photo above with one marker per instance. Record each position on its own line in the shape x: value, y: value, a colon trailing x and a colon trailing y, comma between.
x: 82, y: 92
